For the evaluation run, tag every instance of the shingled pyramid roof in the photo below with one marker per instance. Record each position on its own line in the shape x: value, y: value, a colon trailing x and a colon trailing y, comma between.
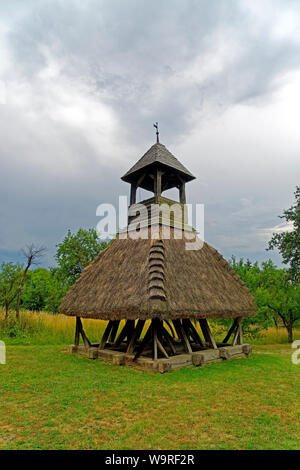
x: 158, y: 153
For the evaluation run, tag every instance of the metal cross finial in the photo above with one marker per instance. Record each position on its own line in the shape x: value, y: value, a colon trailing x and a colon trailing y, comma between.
x: 157, y: 132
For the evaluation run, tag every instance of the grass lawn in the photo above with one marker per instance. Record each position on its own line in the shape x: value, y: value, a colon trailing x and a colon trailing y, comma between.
x: 53, y: 400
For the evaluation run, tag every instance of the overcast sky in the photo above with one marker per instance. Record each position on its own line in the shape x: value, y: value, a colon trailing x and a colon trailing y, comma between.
x: 81, y: 83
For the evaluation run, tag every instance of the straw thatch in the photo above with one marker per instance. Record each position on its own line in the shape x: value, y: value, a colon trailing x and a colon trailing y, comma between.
x: 147, y: 278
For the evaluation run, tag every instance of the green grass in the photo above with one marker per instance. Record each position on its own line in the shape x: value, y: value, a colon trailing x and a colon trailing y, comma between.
x: 53, y: 400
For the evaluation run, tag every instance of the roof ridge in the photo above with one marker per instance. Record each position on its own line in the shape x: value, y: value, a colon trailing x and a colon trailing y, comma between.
x: 156, y: 273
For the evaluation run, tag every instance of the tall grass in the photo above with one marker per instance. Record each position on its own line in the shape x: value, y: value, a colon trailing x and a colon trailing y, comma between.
x: 47, y: 328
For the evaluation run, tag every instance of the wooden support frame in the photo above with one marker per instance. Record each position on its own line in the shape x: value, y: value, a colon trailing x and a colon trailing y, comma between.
x: 231, y: 330
x: 191, y: 331
x: 237, y: 331
x: 182, y: 335
x: 126, y: 331
x: 106, y: 333
x: 168, y: 339
x: 114, y: 330
x: 145, y: 341
x: 80, y: 331
x: 207, y: 333
x: 136, y: 333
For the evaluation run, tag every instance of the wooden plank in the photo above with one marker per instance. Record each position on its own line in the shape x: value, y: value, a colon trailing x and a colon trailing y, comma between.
x: 146, y: 340
x: 161, y: 348
x: 168, y: 339
x: 194, y: 332
x: 105, y: 335
x: 236, y: 334
x: 207, y: 333
x: 231, y: 330
x: 154, y: 323
x: 240, y: 336
x: 135, y: 335
x: 86, y: 341
x: 171, y: 328
x: 77, y: 331
x: 114, y: 330
x: 125, y: 331
x: 180, y: 331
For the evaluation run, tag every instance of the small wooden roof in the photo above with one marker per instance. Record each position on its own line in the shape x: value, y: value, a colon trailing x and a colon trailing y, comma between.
x: 157, y: 155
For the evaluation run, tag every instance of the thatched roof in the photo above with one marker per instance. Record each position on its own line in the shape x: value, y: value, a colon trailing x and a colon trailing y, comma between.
x: 147, y: 278
x: 158, y: 154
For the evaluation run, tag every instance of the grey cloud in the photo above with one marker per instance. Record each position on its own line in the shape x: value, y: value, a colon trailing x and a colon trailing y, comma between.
x: 145, y: 61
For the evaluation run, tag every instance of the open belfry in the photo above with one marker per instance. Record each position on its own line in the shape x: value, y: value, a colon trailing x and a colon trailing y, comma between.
x: 157, y: 284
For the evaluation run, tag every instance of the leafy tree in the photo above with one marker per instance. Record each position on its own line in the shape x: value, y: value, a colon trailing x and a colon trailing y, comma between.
x: 277, y: 297
x: 77, y: 251
x: 288, y: 243
x: 43, y: 290
x: 10, y: 277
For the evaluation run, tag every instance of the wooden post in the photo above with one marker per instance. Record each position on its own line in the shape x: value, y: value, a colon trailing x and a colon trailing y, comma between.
x: 240, y: 337
x: 154, y: 323
x: 237, y: 331
x: 231, y: 330
x: 181, y: 334
x: 146, y: 340
x: 129, y: 325
x: 135, y: 335
x: 191, y: 330
x: 182, y: 197
x: 114, y: 330
x: 77, y: 331
x: 105, y: 335
x: 207, y: 333
x: 158, y: 183
x: 133, y: 193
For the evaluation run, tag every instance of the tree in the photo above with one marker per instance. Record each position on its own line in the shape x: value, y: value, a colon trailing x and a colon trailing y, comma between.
x: 32, y: 255
x: 43, y: 290
x: 288, y: 243
x: 10, y: 277
x: 277, y: 297
x: 280, y: 296
x: 77, y: 251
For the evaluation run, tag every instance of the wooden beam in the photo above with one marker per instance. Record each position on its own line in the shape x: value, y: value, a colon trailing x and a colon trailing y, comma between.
x: 240, y: 337
x: 231, y: 330
x: 181, y: 333
x: 237, y: 331
x: 80, y: 331
x: 114, y: 330
x: 133, y: 193
x: 162, y: 349
x: 125, y: 331
x: 77, y: 331
x: 171, y: 328
x: 207, y: 333
x: 105, y: 335
x: 193, y: 332
x: 135, y: 335
x: 145, y: 341
x: 168, y: 339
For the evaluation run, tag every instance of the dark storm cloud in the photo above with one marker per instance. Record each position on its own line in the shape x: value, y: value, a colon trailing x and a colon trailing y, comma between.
x: 85, y: 81
x: 139, y: 53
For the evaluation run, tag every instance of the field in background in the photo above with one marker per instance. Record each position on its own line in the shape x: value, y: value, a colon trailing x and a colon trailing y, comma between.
x: 46, y: 328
